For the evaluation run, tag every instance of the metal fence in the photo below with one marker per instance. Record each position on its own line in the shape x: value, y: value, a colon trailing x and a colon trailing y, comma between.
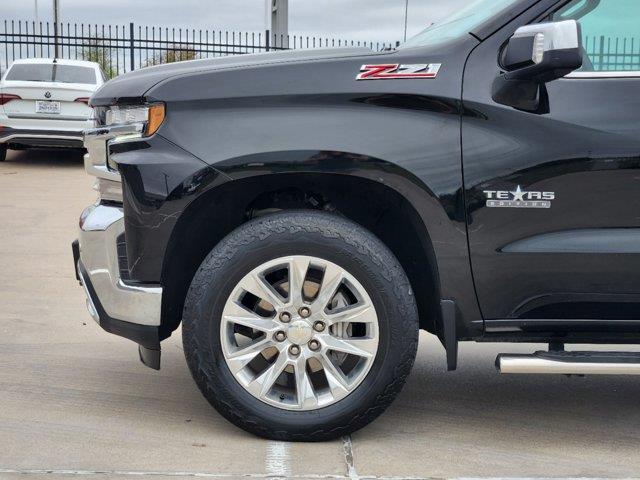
x: 613, y: 53
x: 122, y: 48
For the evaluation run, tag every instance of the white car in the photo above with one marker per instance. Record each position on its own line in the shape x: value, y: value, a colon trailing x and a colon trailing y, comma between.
x: 45, y: 103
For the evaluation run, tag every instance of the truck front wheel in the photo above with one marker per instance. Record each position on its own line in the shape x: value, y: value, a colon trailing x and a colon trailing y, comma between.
x: 300, y: 326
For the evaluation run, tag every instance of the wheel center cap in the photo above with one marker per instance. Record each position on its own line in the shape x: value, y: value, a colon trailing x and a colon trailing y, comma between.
x: 300, y: 332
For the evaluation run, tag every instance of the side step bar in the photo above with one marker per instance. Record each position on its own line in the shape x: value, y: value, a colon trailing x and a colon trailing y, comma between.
x: 571, y: 363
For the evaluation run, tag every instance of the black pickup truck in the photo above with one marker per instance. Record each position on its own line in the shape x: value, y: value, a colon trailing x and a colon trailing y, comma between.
x: 303, y: 214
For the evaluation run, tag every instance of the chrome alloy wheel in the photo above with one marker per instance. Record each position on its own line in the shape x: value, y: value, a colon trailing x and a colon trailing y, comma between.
x: 299, y: 333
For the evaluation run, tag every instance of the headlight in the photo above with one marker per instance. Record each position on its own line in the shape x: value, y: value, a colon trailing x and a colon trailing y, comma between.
x: 126, y: 123
x: 150, y: 117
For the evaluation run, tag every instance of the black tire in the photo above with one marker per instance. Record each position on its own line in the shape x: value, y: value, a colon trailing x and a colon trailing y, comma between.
x: 301, y: 233
x: 3, y: 153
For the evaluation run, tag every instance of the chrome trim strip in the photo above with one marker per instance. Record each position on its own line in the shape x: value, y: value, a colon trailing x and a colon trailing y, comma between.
x: 40, y: 116
x: 40, y: 135
x: 108, y: 189
x: 99, y: 170
x: 101, y: 226
x: 508, y: 364
x: 97, y: 140
x: 629, y: 74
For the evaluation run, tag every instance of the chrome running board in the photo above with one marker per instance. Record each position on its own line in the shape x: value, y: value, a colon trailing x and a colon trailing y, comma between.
x: 571, y: 363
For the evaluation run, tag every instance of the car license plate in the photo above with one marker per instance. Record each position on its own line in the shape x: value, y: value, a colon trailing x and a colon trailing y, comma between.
x: 43, y: 106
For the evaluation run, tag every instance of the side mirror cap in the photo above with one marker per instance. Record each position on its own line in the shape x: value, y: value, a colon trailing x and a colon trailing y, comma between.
x: 543, y: 52
x: 537, y: 54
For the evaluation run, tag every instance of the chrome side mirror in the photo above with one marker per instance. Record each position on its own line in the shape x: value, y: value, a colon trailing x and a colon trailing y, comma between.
x: 537, y: 54
x: 544, y: 52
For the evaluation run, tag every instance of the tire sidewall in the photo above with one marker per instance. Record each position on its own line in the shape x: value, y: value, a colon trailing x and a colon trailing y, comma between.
x: 239, y: 254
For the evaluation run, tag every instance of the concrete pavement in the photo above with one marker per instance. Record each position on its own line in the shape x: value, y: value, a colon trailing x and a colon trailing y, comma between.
x: 75, y: 402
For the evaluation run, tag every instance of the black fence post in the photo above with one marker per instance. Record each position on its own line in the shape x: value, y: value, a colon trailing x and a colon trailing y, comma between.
x: 56, y: 52
x: 602, y: 67
x: 267, y: 40
x: 132, y: 51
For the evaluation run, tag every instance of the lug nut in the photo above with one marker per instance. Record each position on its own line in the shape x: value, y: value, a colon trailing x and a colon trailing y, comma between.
x: 280, y: 336
x: 319, y: 326
x: 304, y: 312
x: 285, y: 317
x: 294, y: 350
x: 314, y: 345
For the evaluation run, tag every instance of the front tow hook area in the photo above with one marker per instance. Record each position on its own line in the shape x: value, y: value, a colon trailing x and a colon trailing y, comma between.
x: 150, y: 357
x: 147, y: 337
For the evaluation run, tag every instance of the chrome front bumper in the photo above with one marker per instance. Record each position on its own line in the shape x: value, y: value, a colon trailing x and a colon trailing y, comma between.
x: 101, y: 226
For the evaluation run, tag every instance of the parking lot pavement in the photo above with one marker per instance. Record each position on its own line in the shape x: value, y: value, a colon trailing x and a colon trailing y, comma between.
x: 76, y: 402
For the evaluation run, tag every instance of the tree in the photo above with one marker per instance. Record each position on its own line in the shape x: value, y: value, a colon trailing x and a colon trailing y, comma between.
x: 95, y: 50
x: 174, y: 52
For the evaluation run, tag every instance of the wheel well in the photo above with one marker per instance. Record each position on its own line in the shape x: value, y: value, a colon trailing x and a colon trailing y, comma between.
x: 375, y: 206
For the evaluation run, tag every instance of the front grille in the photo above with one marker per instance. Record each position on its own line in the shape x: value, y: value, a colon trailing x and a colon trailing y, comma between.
x: 123, y: 262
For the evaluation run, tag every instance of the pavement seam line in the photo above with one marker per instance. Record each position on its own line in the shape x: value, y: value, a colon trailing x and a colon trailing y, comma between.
x: 277, y: 462
x: 347, y: 447
x: 139, y: 473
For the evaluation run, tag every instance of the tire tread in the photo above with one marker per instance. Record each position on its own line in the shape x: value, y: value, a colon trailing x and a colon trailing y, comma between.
x: 293, y: 222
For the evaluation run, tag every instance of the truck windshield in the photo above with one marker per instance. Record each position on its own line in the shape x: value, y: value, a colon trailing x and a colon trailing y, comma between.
x: 460, y: 22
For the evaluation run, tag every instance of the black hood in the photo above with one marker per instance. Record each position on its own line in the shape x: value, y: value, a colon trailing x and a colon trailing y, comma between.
x: 134, y: 85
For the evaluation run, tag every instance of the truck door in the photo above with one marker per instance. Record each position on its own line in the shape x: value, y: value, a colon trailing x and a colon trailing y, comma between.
x: 553, y: 198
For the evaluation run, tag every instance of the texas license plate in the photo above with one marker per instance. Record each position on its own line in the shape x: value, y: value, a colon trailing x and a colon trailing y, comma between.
x: 43, y: 106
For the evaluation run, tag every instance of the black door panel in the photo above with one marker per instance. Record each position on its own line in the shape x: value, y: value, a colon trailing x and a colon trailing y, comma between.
x: 578, y: 258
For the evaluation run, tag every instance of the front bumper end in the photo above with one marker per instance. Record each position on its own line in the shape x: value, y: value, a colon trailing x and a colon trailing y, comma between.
x: 120, y: 306
x: 102, y: 228
x: 129, y: 310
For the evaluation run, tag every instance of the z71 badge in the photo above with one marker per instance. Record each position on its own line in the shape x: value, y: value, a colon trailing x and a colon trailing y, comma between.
x: 397, y: 71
